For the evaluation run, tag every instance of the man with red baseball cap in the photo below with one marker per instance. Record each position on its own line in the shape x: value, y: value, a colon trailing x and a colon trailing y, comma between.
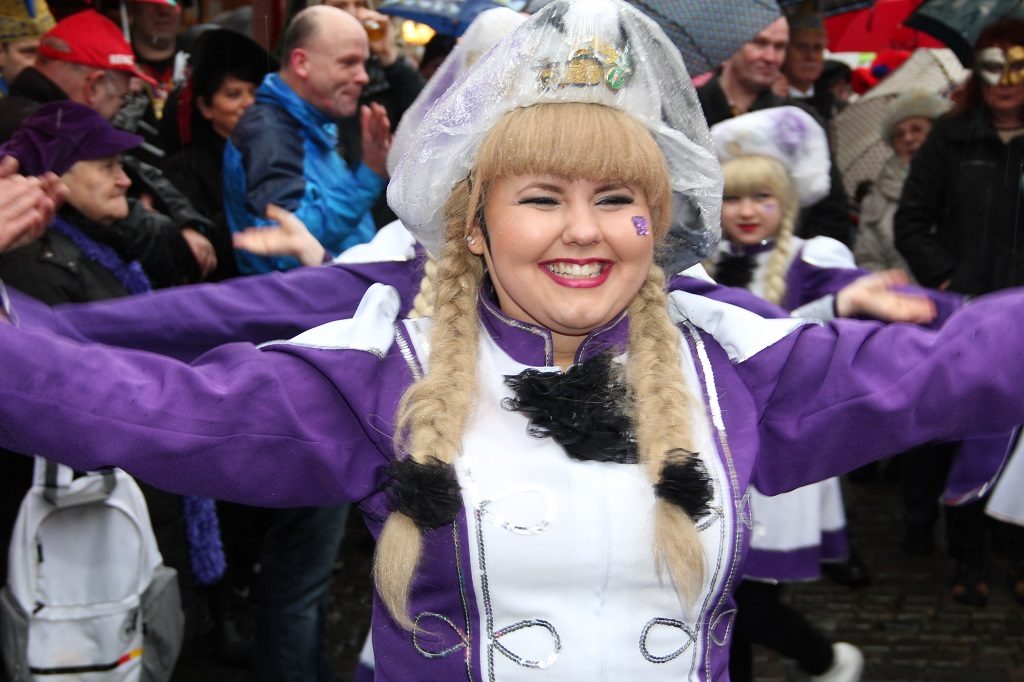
x: 83, y: 58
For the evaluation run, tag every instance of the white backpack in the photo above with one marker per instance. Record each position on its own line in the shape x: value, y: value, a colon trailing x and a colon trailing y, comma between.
x: 88, y: 597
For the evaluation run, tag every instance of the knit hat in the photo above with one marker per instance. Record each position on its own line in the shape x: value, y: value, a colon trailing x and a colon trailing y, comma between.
x: 60, y: 134
x: 91, y: 39
x: 20, y: 19
x: 911, y: 104
x: 789, y: 135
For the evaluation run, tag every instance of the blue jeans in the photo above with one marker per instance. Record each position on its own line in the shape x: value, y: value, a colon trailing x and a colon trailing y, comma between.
x: 299, y: 551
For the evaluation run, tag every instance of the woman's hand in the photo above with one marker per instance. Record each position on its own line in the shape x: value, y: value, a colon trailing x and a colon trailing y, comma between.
x: 376, y: 137
x: 876, y: 296
x: 202, y: 250
x: 289, y: 237
x: 27, y: 204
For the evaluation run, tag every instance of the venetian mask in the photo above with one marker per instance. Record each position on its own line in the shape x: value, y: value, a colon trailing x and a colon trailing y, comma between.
x: 996, y: 66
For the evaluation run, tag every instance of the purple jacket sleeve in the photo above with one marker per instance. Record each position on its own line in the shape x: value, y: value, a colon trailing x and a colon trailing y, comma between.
x: 186, y: 322
x: 261, y: 427
x: 834, y: 397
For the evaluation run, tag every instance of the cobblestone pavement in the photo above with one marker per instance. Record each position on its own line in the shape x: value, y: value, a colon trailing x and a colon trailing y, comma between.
x: 906, y: 624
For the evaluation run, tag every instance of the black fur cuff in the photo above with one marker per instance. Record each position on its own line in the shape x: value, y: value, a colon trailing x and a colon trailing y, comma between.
x: 428, y: 493
x: 686, y: 485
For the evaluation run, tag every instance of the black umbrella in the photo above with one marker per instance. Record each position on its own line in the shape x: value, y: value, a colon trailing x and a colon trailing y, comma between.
x: 957, y: 23
x: 705, y: 32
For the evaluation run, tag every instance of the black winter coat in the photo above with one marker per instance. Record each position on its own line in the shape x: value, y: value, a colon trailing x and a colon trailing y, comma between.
x: 196, y: 169
x: 960, y: 216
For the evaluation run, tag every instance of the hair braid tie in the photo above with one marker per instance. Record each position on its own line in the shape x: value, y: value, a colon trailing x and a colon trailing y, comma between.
x: 685, y: 484
x: 427, y: 492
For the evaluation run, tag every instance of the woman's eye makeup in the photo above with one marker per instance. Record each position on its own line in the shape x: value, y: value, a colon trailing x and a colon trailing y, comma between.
x: 615, y: 200
x: 539, y: 201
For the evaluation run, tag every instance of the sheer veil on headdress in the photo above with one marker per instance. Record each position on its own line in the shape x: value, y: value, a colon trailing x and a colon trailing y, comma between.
x: 570, y: 52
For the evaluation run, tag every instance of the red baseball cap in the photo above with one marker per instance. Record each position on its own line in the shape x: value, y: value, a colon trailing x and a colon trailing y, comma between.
x: 91, y: 39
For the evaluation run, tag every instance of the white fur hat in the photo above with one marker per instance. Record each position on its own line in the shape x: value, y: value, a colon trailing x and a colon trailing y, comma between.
x: 912, y: 104
x: 593, y: 51
x: 789, y: 135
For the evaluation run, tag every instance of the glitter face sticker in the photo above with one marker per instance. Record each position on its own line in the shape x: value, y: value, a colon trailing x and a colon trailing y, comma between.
x: 641, y: 225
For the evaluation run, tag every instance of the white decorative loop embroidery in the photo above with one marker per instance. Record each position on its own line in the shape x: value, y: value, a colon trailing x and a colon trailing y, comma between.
x: 743, y: 510
x: 463, y: 639
x: 690, y: 633
x: 722, y: 641
x: 715, y: 514
x: 556, y: 642
x: 521, y: 526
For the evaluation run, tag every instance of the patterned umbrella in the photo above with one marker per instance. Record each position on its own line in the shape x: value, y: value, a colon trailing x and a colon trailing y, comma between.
x: 706, y: 32
x: 860, y: 150
x: 957, y: 23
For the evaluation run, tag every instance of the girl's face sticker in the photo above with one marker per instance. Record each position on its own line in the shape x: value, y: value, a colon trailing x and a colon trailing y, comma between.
x: 996, y: 66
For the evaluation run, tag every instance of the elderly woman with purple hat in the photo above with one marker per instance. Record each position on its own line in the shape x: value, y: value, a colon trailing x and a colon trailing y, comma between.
x: 73, y: 261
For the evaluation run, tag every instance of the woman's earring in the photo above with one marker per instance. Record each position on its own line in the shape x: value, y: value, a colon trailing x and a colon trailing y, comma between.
x: 470, y: 239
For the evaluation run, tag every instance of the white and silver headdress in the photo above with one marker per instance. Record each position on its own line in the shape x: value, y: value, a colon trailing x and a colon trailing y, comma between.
x: 595, y: 51
x: 789, y: 135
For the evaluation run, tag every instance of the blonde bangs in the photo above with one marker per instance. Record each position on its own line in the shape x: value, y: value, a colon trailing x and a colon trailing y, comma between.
x: 575, y: 140
x: 748, y: 175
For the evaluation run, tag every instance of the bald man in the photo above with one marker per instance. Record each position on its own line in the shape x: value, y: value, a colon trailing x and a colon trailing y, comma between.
x: 284, y: 149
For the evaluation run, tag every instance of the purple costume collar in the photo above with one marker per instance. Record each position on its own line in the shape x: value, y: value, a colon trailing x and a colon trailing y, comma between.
x: 531, y: 344
x: 751, y: 250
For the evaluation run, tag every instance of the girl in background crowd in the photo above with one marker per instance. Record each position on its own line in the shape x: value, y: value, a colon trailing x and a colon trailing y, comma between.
x: 774, y: 162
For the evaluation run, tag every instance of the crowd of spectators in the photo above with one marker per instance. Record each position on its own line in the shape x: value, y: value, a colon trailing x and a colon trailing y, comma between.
x: 132, y: 163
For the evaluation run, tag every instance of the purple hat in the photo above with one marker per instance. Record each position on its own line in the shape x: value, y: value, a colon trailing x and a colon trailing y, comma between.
x: 60, y: 134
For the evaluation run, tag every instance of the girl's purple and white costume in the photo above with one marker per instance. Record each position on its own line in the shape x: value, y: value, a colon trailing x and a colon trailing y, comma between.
x: 793, y: 533
x: 539, y: 569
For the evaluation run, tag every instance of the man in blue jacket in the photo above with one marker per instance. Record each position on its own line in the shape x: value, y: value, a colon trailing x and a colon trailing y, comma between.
x: 284, y: 149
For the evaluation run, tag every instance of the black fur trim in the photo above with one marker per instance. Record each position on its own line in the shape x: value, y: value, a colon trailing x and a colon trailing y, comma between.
x: 427, y: 492
x: 582, y: 409
x: 735, y: 271
x: 686, y: 485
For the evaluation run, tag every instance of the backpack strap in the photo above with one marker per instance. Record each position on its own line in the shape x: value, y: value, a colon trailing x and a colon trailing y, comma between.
x: 61, y: 488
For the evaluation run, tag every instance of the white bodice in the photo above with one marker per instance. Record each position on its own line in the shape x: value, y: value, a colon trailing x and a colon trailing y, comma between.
x: 564, y: 570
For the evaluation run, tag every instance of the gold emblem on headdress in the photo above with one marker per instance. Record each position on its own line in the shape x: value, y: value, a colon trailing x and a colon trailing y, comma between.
x: 593, y: 62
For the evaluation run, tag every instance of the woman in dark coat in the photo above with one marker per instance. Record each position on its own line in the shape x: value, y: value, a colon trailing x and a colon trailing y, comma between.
x: 227, y: 67
x: 959, y: 224
x: 960, y: 227
x: 75, y: 261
